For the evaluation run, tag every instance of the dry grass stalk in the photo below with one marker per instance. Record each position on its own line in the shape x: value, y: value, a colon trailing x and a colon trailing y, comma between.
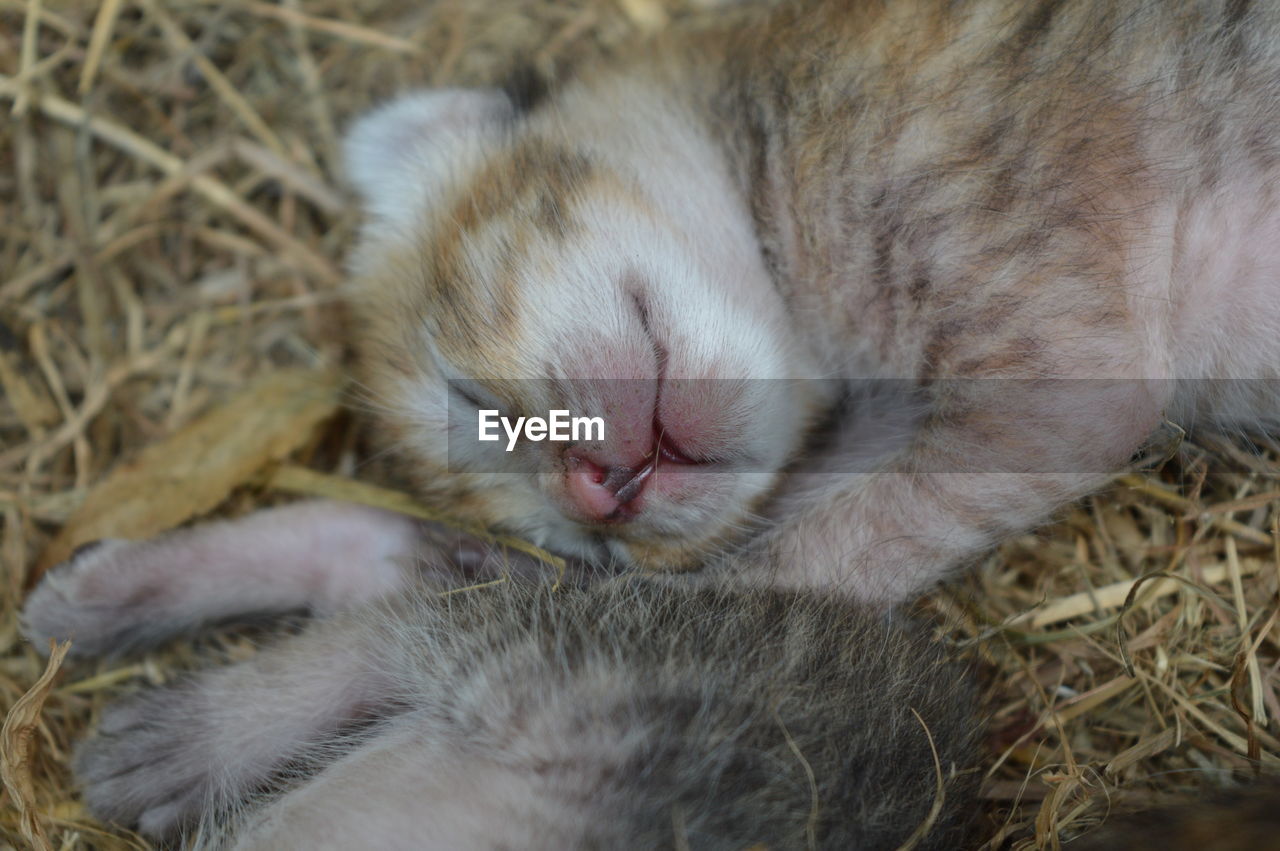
x: 171, y: 227
x: 195, y: 469
x: 17, y: 738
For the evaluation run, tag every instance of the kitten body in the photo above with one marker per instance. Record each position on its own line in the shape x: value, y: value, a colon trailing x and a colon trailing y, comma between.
x: 1047, y: 225
x: 516, y: 714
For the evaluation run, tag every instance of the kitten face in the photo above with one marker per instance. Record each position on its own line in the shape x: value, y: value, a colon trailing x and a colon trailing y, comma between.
x: 504, y: 268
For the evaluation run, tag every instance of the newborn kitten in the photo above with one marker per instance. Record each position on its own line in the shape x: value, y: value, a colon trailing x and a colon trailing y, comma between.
x: 877, y: 282
x: 611, y: 715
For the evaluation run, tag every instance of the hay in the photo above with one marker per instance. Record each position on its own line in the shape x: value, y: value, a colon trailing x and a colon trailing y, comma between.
x: 1131, y: 647
x: 171, y: 227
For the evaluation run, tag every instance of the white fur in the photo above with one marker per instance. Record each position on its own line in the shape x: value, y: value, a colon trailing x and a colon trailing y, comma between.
x: 401, y: 155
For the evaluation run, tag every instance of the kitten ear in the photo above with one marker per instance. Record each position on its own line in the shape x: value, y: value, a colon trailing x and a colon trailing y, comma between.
x: 399, y: 154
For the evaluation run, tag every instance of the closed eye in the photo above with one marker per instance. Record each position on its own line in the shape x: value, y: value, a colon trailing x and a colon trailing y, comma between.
x: 470, y: 395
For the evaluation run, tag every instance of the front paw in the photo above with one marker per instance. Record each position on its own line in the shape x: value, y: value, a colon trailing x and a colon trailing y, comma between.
x: 150, y: 765
x: 88, y: 599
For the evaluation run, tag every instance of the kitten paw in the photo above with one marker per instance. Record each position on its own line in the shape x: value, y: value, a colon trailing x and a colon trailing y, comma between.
x: 88, y: 598
x: 140, y: 769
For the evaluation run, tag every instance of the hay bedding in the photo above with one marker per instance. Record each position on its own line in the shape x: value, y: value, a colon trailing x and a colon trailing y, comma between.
x: 171, y: 228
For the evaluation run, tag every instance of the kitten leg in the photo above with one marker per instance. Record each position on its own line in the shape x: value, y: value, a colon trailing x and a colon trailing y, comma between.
x: 324, y: 556
x: 165, y: 757
x: 998, y: 459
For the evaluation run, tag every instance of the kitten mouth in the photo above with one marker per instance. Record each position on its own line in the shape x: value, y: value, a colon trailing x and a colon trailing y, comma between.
x: 626, y: 483
x: 629, y: 490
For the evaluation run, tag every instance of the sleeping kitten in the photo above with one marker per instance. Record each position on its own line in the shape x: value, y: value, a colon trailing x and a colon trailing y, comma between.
x: 610, y: 715
x: 857, y: 288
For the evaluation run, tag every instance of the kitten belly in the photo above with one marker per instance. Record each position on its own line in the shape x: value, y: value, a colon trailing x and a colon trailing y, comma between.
x: 1225, y: 328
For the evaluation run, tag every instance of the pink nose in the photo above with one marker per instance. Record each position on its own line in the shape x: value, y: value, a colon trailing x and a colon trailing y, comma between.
x: 604, y: 494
